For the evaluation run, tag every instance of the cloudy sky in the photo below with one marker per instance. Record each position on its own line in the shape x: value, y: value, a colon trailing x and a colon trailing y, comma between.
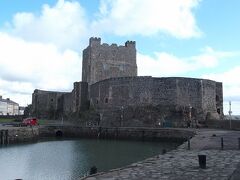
x: 41, y: 42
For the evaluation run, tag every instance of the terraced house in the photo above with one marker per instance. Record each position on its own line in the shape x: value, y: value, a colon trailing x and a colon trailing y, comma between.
x: 8, y: 107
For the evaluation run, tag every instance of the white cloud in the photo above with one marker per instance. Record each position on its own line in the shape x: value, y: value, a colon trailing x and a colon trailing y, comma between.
x: 231, y: 87
x: 210, y: 58
x: 38, y: 50
x: 64, y: 25
x: 27, y: 65
x: 148, y: 17
x: 163, y: 64
x: 166, y: 64
x: 231, y: 82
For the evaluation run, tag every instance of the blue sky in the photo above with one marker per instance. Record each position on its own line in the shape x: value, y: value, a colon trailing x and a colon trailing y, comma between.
x: 41, y: 42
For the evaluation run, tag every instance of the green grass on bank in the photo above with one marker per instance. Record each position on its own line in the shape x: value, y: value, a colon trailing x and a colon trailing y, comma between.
x: 9, y: 120
x: 40, y: 121
x: 6, y: 120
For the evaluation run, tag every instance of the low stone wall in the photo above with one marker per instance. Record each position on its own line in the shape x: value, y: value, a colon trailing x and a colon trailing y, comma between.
x: 149, y: 134
x: 223, y: 124
x: 13, y: 135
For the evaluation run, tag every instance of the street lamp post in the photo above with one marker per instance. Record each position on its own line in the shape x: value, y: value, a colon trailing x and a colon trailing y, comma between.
x: 121, y: 124
x: 101, y: 118
x: 190, y: 115
x: 230, y: 115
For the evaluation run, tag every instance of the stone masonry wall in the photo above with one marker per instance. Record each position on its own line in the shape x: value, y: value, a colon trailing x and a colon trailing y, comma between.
x: 55, y: 105
x: 141, y: 91
x: 103, y: 61
x: 189, y: 92
x: 147, y: 101
x: 80, y: 96
x: 219, y: 98
x: 66, y: 106
x: 46, y: 103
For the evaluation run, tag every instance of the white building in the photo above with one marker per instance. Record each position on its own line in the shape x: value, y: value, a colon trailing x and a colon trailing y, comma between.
x: 21, y: 110
x: 8, y: 107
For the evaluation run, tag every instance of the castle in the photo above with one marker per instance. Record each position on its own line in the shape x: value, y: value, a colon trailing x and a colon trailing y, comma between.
x: 111, y: 88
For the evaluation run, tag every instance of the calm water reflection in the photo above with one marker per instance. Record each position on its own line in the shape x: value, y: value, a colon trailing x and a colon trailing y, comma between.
x: 70, y: 159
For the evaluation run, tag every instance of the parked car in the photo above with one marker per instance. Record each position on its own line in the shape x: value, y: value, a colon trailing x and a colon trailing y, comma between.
x: 30, y: 122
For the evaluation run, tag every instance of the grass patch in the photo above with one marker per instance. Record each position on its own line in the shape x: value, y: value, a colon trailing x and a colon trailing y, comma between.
x: 6, y: 120
x: 42, y: 121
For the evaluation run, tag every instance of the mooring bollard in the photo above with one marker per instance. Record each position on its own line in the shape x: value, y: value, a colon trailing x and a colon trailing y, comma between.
x: 164, y: 151
x: 93, y: 170
x: 1, y: 137
x: 188, y: 144
x: 6, y: 137
x: 143, y: 135
x: 202, y: 161
x: 222, y: 143
x: 239, y: 143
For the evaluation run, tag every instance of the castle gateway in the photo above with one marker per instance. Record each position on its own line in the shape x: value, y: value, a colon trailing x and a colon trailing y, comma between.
x: 112, y: 90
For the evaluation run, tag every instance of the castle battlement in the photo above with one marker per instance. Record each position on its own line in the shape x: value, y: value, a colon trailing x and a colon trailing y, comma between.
x: 94, y: 41
x: 130, y: 44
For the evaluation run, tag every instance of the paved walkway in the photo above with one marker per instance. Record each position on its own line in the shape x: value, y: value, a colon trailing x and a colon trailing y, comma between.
x: 181, y: 164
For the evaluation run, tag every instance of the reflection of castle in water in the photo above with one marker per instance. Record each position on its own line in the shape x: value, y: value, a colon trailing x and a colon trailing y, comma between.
x: 111, y: 87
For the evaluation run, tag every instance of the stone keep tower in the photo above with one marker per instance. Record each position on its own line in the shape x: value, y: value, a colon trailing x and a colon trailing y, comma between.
x: 103, y: 61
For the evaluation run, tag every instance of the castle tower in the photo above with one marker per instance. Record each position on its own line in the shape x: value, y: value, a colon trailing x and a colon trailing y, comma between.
x: 103, y: 61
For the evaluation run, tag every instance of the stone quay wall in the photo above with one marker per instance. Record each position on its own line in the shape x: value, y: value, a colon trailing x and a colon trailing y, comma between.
x: 12, y: 135
x: 28, y: 134
x: 148, y: 134
x: 224, y: 124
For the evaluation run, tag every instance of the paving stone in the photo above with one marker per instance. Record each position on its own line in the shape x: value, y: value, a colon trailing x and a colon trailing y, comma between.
x: 182, y: 164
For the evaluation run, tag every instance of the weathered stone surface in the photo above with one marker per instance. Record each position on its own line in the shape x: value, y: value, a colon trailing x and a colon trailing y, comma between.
x: 103, y: 61
x: 20, y: 134
x: 46, y: 104
x: 55, y: 105
x: 148, y: 101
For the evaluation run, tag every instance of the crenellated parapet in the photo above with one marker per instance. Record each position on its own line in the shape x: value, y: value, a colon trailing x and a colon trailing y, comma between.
x: 94, y: 41
x: 130, y: 44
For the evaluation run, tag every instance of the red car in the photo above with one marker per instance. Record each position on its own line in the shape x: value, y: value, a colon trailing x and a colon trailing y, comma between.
x: 30, y: 122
